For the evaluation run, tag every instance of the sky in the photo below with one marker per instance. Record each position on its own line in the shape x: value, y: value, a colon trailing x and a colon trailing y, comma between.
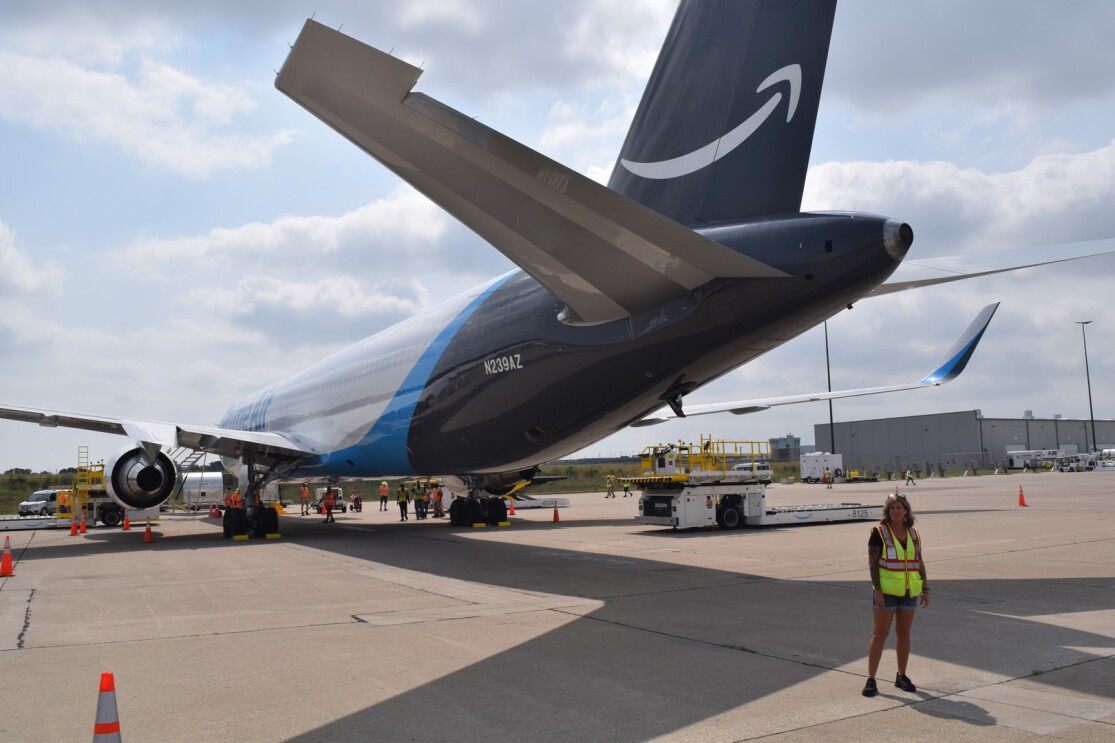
x: 175, y: 233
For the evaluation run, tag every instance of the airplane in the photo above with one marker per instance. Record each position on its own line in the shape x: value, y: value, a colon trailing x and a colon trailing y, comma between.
x: 694, y: 260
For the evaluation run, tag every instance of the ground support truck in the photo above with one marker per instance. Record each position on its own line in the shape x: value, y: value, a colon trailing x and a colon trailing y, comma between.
x: 730, y: 506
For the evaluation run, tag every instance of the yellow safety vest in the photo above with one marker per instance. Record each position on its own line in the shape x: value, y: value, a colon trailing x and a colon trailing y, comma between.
x: 899, y: 573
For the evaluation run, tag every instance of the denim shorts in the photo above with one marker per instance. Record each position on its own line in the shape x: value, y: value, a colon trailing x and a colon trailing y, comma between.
x: 895, y: 603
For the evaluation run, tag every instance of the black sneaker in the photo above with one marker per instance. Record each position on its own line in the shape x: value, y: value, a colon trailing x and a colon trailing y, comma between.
x: 903, y: 682
x: 870, y: 689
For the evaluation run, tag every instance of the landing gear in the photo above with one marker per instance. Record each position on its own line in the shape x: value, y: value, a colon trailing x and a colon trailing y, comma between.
x: 474, y: 510
x: 254, y: 518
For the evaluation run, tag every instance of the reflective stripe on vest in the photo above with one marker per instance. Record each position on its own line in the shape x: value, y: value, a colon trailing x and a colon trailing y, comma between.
x: 899, y: 576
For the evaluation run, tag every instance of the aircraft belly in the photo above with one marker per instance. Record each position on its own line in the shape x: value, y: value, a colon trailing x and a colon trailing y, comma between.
x: 521, y: 388
x: 526, y: 389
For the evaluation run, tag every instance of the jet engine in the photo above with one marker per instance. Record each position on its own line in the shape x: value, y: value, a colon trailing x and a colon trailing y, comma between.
x: 135, y: 481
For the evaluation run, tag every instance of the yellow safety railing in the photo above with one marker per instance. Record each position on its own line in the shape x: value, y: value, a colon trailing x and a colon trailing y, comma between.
x: 677, y: 462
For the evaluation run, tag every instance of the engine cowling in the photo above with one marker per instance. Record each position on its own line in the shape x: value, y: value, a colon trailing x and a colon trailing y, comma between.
x: 135, y: 482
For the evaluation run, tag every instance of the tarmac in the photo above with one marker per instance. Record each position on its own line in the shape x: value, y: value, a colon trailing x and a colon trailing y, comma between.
x: 594, y: 628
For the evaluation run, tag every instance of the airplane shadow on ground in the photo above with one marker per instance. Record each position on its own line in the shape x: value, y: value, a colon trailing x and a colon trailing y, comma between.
x: 614, y: 671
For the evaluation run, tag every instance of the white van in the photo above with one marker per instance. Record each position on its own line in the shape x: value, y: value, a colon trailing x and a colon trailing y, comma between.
x: 42, y: 502
x: 758, y: 470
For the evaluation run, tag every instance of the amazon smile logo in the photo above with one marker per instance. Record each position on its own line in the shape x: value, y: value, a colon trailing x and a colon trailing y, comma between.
x: 703, y: 157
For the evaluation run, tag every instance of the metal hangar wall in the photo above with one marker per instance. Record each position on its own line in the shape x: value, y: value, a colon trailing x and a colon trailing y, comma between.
x: 957, y: 440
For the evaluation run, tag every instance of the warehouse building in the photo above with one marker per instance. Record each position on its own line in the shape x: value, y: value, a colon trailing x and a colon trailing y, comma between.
x: 962, y: 440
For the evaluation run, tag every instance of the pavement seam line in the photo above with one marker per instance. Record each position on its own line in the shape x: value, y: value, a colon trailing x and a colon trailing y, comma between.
x: 26, y: 621
x: 194, y: 635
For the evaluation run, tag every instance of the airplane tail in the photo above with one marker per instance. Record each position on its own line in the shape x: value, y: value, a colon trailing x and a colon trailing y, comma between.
x: 724, y: 129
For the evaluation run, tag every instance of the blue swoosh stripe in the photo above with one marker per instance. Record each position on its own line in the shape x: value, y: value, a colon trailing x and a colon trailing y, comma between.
x: 385, y: 445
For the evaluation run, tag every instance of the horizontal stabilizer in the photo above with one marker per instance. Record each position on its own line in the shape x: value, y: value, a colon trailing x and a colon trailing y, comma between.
x: 602, y: 254
x: 916, y: 274
x: 948, y: 369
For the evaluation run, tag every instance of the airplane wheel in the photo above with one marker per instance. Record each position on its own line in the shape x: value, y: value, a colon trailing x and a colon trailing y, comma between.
x: 455, y: 509
x: 496, y: 510
x: 237, y: 521
x: 270, y: 521
x: 474, y: 512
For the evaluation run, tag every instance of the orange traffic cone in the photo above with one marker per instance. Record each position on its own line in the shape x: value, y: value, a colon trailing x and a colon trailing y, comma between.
x: 512, y: 511
x: 106, y: 729
x: 1021, y: 497
x: 73, y: 527
x: 82, y: 530
x: 127, y: 524
x: 6, y: 560
x: 556, y: 517
x: 147, y: 538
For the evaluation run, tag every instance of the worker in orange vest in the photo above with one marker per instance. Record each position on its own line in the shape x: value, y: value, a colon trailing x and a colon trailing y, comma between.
x: 383, y: 493
x: 236, y: 503
x: 327, y: 503
x: 305, y: 499
x: 438, y: 510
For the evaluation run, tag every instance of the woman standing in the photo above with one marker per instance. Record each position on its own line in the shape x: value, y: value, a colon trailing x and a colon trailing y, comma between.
x: 898, y: 584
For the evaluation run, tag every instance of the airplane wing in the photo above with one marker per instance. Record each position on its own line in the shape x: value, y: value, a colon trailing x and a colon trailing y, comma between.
x: 602, y: 254
x: 915, y: 274
x: 212, y: 439
x: 950, y: 367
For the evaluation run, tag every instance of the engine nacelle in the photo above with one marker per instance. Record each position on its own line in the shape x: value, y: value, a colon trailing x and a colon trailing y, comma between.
x: 134, y: 482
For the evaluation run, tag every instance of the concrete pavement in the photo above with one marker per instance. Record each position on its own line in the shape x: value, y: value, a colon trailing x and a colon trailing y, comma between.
x: 594, y: 629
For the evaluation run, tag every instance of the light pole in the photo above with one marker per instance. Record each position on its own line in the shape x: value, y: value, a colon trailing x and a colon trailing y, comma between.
x: 828, y: 374
x: 1088, y: 376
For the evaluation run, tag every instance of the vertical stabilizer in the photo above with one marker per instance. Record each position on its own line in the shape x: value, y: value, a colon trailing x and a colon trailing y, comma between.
x: 726, y: 123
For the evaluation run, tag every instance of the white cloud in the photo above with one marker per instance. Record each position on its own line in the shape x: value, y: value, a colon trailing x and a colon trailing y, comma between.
x: 398, y: 228
x: 334, y: 296
x: 160, y: 116
x: 1056, y: 198
x: 18, y: 273
x: 620, y: 37
x: 90, y: 37
x: 460, y: 14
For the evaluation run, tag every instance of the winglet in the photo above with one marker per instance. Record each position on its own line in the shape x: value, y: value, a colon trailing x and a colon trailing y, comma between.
x: 949, y: 368
x: 957, y: 357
